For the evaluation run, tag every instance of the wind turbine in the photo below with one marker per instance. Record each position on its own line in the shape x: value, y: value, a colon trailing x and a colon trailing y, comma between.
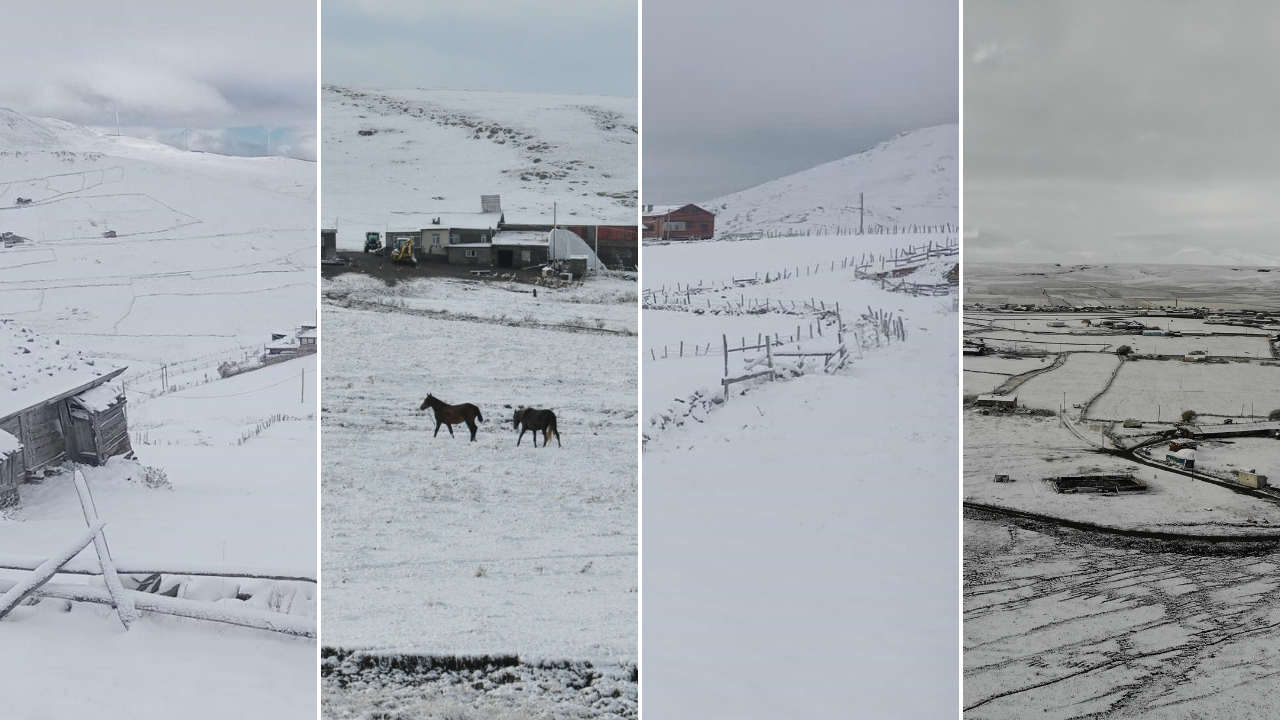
x: 268, y: 132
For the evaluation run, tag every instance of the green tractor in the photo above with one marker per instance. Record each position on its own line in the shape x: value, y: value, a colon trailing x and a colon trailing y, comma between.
x: 372, y: 242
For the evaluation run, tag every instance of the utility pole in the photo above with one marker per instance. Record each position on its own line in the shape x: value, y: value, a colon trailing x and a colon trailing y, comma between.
x: 862, y: 209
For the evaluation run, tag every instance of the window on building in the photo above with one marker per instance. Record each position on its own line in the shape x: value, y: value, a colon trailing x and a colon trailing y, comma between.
x: 675, y: 225
x: 435, y: 238
x: 454, y: 238
x: 526, y: 256
x: 471, y: 253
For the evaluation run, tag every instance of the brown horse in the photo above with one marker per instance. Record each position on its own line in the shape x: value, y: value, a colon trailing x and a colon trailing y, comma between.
x: 543, y: 421
x: 449, y: 415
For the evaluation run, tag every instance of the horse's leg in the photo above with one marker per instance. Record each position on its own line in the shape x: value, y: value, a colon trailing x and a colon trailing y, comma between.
x: 471, y: 424
x: 450, y: 426
x: 437, y: 432
x: 557, y: 432
x: 521, y: 436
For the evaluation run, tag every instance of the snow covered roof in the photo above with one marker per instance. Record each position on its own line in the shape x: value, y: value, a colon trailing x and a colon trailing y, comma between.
x: 520, y: 237
x: 1185, y: 454
x: 8, y: 444
x: 36, y: 369
x: 659, y: 210
x: 468, y: 246
x: 100, y: 398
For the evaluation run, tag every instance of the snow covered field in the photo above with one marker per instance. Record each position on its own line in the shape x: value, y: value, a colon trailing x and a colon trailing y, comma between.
x: 771, y: 585
x: 1063, y: 623
x: 1147, y: 390
x: 1058, y: 626
x: 149, y: 257
x: 441, y: 546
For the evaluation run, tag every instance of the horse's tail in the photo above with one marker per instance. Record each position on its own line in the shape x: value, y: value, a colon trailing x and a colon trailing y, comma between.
x: 478, y: 415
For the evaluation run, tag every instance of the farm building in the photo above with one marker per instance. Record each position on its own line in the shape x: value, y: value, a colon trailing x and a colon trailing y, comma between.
x: 520, y: 248
x: 1185, y: 457
x: 1251, y: 478
x: 678, y: 222
x: 284, y: 345
x: 617, y: 246
x: 1003, y: 401
x: 471, y: 254
x: 1256, y: 429
x: 58, y: 407
x: 328, y: 246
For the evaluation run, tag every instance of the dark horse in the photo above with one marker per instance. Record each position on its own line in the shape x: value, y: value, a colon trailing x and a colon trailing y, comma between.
x: 543, y: 421
x: 453, y: 414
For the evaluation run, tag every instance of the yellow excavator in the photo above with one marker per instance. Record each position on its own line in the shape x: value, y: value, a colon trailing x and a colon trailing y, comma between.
x: 404, y: 253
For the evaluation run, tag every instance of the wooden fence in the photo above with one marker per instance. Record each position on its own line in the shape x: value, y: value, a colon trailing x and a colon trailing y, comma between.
x: 128, y: 603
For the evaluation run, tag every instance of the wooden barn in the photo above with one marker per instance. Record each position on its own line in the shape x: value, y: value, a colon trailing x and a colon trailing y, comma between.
x: 58, y: 407
x: 683, y: 222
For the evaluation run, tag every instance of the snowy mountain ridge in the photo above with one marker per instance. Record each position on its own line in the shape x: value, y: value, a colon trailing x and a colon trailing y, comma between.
x: 398, y: 151
x: 909, y: 180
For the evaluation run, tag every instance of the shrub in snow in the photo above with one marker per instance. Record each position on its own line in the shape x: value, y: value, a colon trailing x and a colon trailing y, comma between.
x: 1188, y: 415
x: 155, y: 478
x: 1124, y: 350
x: 1275, y: 415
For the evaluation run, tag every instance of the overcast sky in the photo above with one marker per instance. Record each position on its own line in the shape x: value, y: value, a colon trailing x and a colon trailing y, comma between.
x: 1137, y: 131
x: 577, y: 47
x: 218, y: 67
x: 739, y: 92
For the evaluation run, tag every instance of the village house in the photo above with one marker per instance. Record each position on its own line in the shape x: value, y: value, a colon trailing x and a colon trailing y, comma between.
x: 287, y: 345
x: 678, y: 222
x: 55, y: 406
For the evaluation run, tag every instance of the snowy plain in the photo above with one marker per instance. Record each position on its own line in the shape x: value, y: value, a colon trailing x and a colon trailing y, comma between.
x: 1066, y: 623
x: 148, y: 257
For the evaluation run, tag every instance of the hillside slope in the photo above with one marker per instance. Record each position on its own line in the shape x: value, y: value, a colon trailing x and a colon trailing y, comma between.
x: 911, y: 179
x: 148, y: 253
x: 406, y: 151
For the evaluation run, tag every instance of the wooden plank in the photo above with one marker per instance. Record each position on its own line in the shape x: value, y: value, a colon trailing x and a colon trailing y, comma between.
x: 729, y: 381
x: 124, y: 605
x: 23, y: 588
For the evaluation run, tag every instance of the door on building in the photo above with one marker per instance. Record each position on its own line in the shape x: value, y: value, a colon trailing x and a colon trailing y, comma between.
x: 506, y: 258
x: 83, y: 440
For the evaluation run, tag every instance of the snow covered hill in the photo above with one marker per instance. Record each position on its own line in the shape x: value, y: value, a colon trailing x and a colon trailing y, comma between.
x: 909, y: 180
x: 148, y: 254
x: 167, y: 262
x: 405, y: 151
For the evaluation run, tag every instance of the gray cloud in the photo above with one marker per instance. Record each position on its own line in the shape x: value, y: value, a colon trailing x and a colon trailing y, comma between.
x: 1141, y: 131
x: 738, y: 93
x: 585, y: 47
x: 164, y: 65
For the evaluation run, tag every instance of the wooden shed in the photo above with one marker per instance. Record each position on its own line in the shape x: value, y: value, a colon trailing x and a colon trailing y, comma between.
x: 58, y: 407
x: 1002, y: 401
x: 520, y: 248
x: 1251, y: 478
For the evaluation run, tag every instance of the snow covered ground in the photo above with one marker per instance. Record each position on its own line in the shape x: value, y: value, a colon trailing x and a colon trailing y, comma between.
x: 796, y: 537
x: 1058, y: 626
x: 148, y: 257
